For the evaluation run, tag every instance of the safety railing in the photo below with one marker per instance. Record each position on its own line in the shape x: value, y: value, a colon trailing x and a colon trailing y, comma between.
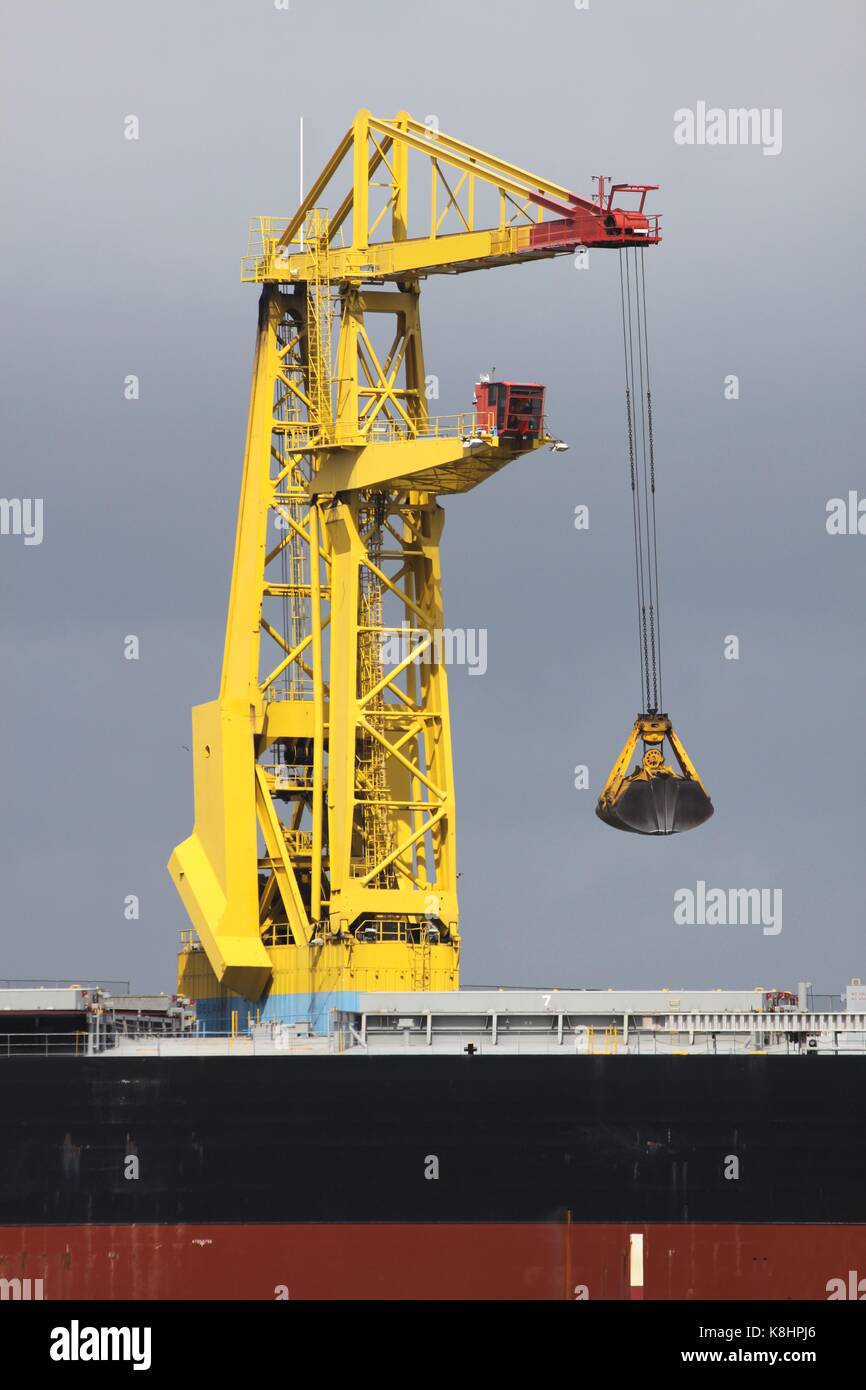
x: 307, y: 435
x: 461, y: 426
x: 264, y: 253
x: 262, y: 239
x: 638, y: 1043
x: 288, y: 777
x: 75, y: 1044
x: 825, y: 1003
x: 258, y: 1042
x: 346, y: 1037
x: 82, y: 982
x: 415, y: 932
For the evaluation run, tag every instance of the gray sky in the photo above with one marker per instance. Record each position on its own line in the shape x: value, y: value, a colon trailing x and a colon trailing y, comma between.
x: 122, y: 257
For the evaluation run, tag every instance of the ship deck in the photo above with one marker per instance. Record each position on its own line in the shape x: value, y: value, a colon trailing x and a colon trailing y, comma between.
x: 478, y: 1022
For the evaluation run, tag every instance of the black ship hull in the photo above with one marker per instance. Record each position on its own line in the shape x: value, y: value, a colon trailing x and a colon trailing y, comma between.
x: 677, y: 1176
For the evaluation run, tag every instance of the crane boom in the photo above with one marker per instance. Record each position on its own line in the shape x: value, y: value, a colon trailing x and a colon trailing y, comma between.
x: 458, y: 175
x: 323, y: 857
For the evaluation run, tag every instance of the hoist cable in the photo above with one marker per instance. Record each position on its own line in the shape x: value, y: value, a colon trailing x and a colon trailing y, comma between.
x: 641, y: 449
x: 631, y: 315
x: 651, y: 662
x: 625, y: 298
x: 649, y: 412
x: 640, y: 323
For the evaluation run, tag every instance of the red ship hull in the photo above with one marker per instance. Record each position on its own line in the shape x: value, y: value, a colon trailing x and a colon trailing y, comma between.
x: 434, y: 1261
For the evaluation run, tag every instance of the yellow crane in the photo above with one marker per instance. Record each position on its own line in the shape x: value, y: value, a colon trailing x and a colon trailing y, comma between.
x: 323, y: 858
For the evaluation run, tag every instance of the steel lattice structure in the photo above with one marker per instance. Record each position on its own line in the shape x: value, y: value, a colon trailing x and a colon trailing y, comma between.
x: 323, y: 856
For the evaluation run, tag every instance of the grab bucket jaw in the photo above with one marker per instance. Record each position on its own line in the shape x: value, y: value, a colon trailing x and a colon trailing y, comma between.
x: 654, y: 799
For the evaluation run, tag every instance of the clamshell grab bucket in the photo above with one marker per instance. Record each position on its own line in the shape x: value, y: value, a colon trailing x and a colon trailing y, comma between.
x: 654, y: 799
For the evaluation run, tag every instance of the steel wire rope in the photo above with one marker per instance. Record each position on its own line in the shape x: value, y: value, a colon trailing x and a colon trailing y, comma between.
x: 625, y: 298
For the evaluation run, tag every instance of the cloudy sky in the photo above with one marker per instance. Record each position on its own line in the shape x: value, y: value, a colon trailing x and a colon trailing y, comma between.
x: 122, y: 257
